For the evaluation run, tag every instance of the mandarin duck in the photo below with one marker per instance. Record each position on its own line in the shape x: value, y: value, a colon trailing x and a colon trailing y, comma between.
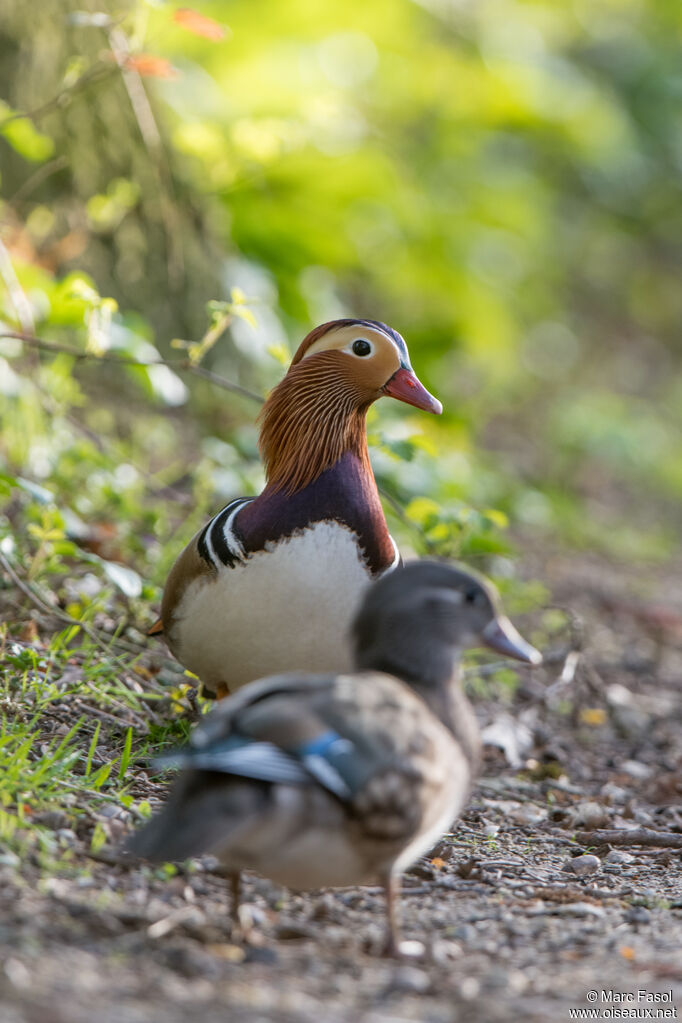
x: 324, y: 780
x: 271, y: 583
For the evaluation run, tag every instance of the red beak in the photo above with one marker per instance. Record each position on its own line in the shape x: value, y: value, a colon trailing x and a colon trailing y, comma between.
x: 404, y: 386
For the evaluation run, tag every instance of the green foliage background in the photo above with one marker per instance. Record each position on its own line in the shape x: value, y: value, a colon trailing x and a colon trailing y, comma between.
x: 499, y: 180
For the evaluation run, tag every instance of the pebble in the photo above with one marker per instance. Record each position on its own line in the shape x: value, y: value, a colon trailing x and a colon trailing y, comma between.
x: 496, y: 980
x: 422, y: 870
x: 290, y: 930
x: 469, y: 988
x: 529, y: 814
x: 647, y: 895
x: 266, y: 956
x: 352, y: 899
x: 518, y: 982
x: 326, y: 908
x: 615, y: 793
x: 18, y: 975
x: 53, y: 819
x: 636, y: 769
x: 637, y: 915
x: 410, y: 980
x: 583, y: 866
x: 191, y: 962
x: 444, y: 851
x: 591, y: 815
x: 445, y: 952
x: 631, y: 721
x: 580, y: 909
x: 111, y: 812
x: 618, y: 856
x: 411, y: 949
x: 251, y: 915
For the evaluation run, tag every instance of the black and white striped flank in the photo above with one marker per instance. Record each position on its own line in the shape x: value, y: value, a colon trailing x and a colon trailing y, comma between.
x: 218, y: 545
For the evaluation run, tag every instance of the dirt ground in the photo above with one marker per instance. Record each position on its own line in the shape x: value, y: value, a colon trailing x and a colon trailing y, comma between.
x: 508, y: 929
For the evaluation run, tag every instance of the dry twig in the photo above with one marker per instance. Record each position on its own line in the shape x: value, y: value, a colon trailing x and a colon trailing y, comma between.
x: 630, y: 836
x: 97, y: 73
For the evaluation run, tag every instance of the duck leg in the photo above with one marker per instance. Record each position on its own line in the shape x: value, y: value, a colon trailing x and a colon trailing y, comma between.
x: 391, y: 885
x: 235, y: 880
x: 192, y: 699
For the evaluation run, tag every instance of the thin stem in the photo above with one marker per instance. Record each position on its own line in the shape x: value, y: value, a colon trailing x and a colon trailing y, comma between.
x: 46, y: 608
x: 96, y: 73
x: 180, y: 365
x: 153, y: 142
x: 37, y: 178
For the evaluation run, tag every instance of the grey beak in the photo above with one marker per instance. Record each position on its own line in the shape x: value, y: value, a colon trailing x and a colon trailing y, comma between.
x: 500, y: 635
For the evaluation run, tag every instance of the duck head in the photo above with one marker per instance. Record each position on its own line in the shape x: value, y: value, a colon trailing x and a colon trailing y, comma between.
x: 318, y: 410
x: 371, y: 358
x: 416, y: 621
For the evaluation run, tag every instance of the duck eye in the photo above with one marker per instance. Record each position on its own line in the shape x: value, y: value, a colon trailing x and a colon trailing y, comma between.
x: 361, y: 347
x: 471, y: 596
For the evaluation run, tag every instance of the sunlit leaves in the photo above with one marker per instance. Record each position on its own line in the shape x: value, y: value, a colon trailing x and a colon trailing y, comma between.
x: 98, y: 314
x: 106, y: 211
x: 221, y: 315
x: 126, y: 579
x: 453, y: 529
x: 22, y: 134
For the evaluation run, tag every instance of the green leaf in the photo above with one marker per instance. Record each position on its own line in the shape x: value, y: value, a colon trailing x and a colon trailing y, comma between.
x: 245, y: 314
x: 125, y: 755
x: 99, y: 837
x: 23, y: 136
x: 280, y: 353
x: 91, y: 749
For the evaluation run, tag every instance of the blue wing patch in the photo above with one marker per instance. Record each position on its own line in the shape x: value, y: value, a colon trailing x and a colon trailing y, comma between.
x: 328, y: 759
x: 262, y: 761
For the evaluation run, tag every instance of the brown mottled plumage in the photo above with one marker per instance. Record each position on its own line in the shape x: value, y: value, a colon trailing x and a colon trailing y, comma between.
x: 324, y: 780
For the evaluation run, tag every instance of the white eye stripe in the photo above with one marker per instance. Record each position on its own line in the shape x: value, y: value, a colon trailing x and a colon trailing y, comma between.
x: 341, y: 340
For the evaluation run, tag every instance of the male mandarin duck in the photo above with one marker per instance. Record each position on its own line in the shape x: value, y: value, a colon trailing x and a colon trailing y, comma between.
x: 323, y: 780
x: 271, y: 583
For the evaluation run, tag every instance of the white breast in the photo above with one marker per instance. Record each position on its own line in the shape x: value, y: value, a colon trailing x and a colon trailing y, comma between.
x: 286, y: 608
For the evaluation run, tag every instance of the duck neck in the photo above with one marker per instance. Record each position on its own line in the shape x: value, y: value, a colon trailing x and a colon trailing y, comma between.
x: 450, y: 705
x: 314, y: 445
x: 311, y: 419
x: 345, y: 494
x: 434, y: 675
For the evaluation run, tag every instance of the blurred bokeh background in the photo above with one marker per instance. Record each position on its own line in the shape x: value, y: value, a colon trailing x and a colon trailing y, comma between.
x: 499, y: 180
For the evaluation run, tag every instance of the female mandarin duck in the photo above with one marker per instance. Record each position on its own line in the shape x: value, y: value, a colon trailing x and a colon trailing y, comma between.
x: 271, y: 583
x: 324, y: 780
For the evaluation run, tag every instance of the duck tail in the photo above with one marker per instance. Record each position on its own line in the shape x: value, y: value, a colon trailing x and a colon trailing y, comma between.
x: 202, y: 815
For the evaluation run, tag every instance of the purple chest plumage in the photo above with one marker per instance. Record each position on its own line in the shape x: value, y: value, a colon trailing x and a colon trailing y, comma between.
x: 344, y: 493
